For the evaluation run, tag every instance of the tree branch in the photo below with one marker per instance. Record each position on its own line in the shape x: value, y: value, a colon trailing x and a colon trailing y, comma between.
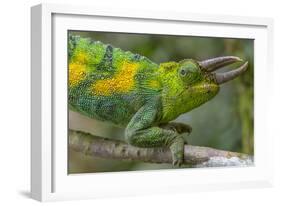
x: 194, y: 156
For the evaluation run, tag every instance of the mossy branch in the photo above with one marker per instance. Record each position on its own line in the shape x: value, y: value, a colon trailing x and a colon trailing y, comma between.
x: 194, y: 156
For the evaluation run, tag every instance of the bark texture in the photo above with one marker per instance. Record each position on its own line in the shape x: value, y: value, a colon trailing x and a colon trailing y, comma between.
x: 195, y: 156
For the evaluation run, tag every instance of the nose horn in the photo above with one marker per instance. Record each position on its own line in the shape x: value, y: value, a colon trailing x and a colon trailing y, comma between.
x: 213, y: 64
x: 221, y: 78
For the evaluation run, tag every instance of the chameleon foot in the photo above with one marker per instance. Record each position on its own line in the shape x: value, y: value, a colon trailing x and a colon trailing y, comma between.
x: 177, y: 150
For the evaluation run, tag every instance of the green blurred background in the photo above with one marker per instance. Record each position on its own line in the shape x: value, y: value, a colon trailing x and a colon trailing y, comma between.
x: 225, y: 122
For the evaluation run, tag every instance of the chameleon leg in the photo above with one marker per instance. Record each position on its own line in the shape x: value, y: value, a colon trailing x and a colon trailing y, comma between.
x: 177, y: 127
x: 141, y: 132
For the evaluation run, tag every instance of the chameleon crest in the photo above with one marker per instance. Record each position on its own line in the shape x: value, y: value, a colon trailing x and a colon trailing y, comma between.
x: 131, y: 91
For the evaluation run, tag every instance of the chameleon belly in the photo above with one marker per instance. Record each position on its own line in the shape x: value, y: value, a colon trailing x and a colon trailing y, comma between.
x: 107, y: 83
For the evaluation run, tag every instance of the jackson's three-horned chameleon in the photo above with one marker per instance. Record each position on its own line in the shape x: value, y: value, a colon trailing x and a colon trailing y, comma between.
x: 129, y: 90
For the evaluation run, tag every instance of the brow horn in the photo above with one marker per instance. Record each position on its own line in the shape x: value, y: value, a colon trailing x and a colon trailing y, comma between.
x: 227, y: 76
x: 213, y: 64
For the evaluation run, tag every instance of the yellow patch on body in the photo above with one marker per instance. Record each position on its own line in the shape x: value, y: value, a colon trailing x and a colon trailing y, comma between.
x: 77, y: 73
x: 81, y: 57
x: 77, y: 68
x: 122, y: 82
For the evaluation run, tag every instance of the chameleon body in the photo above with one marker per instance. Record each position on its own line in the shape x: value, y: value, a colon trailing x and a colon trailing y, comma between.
x: 131, y: 91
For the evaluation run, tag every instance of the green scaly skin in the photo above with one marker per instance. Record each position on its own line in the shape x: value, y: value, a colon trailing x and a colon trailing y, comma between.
x: 129, y: 90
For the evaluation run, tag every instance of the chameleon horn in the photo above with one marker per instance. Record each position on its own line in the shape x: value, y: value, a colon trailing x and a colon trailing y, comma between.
x: 213, y: 64
x: 227, y: 76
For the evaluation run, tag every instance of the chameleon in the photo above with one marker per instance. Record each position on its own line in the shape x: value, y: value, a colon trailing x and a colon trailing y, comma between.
x: 133, y: 92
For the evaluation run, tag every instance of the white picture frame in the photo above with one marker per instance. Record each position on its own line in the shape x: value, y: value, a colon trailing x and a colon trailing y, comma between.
x: 49, y: 178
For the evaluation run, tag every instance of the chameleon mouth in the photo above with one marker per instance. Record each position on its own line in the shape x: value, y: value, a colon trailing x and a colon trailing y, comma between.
x: 213, y: 64
x: 206, y: 88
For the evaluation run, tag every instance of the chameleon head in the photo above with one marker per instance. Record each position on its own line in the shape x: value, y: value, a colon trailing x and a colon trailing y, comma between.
x: 191, y: 83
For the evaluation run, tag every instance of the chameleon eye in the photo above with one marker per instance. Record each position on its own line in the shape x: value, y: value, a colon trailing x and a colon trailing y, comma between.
x: 183, y: 72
